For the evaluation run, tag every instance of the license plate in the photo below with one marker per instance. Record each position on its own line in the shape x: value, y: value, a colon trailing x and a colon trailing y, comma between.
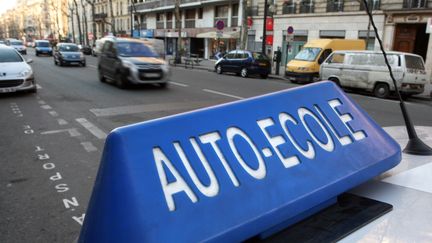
x: 7, y: 90
x: 74, y: 63
x: 263, y: 64
x: 152, y: 75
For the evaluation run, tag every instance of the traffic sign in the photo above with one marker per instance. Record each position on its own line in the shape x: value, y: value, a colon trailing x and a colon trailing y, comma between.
x: 233, y: 171
x: 220, y: 25
x: 290, y: 30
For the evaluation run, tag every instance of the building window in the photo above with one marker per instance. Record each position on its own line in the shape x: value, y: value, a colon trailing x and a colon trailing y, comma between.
x: 221, y: 13
x: 252, y: 11
x: 332, y: 34
x: 289, y: 7
x: 373, y: 5
x: 335, y: 5
x: 160, y: 21
x: 307, y: 6
x: 200, y: 13
x: 169, y: 20
x: 234, y: 18
x: 415, y: 4
x: 190, y: 18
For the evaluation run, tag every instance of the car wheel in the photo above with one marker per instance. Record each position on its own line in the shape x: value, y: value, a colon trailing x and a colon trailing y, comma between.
x: 101, y: 76
x: 219, y: 69
x: 264, y: 76
x: 37, y: 54
x: 244, y: 72
x: 120, y: 81
x: 336, y: 81
x: 381, y: 90
x: 83, y: 64
x: 163, y: 85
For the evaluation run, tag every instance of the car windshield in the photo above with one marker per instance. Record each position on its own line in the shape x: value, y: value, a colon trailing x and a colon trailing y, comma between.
x: 259, y: 56
x: 308, y: 54
x: 135, y: 49
x: 8, y: 55
x: 42, y: 44
x: 68, y: 48
x: 16, y: 43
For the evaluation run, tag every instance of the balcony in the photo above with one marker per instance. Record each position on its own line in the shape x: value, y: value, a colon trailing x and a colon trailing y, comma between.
x: 190, y: 23
x: 160, y: 25
x: 169, y: 24
x: 415, y: 4
x: 159, y: 4
x: 100, y: 16
x: 289, y: 8
x: 373, y: 5
x: 306, y: 6
x: 335, y: 6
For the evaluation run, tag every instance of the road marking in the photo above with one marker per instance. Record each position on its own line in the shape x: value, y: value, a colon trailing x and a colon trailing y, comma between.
x: 88, y: 146
x: 62, y: 121
x: 46, y: 107
x: 97, y: 132
x: 73, y: 132
x: 53, y: 113
x: 41, y: 102
x: 179, y: 84
x: 224, y: 94
x: 132, y: 109
x: 92, y: 66
x: 38, y: 86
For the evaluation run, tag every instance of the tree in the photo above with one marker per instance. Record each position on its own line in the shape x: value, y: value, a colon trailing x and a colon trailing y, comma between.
x: 93, y: 9
x: 244, y: 24
x: 85, y: 23
x: 178, y: 27
x: 113, y: 30
x: 79, y: 21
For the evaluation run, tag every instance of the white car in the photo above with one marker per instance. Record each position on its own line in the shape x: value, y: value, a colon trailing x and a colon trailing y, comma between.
x: 15, y: 73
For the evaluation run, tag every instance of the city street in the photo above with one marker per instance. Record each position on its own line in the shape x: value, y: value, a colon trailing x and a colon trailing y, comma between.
x: 52, y: 141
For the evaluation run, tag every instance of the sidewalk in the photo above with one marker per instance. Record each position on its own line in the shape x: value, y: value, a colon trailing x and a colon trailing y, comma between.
x: 209, y: 65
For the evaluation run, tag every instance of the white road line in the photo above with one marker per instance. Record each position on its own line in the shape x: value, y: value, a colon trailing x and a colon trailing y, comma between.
x: 41, y: 102
x: 73, y: 132
x: 92, y: 66
x: 46, y: 107
x: 53, y: 113
x: 224, y: 94
x: 38, y: 86
x: 179, y: 84
x: 62, y: 121
x: 97, y: 132
x: 89, y: 147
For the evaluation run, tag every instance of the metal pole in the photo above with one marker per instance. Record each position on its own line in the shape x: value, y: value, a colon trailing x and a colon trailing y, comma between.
x: 264, y: 28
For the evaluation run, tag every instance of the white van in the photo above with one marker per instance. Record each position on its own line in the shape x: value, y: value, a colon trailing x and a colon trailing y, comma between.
x: 367, y: 70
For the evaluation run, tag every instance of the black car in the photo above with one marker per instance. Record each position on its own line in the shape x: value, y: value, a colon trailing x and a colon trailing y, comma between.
x: 68, y: 53
x: 244, y: 63
x: 87, y: 50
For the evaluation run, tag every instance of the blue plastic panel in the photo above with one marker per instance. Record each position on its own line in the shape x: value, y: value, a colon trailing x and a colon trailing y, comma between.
x: 229, y: 172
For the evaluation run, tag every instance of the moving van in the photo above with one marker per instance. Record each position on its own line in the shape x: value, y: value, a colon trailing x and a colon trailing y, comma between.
x: 366, y: 70
x: 304, y: 68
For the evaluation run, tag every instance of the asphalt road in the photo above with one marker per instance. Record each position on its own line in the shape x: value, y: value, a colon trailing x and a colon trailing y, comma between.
x: 52, y: 141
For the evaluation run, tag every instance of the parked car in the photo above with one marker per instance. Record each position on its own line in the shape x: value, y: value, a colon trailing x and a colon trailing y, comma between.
x: 125, y: 61
x: 367, y: 70
x: 68, y: 53
x: 2, y: 42
x: 87, y: 50
x: 18, y: 45
x: 244, y: 63
x: 304, y: 68
x: 43, y: 47
x: 15, y: 73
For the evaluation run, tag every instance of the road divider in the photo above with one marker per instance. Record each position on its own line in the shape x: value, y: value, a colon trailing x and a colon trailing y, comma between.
x: 231, y: 172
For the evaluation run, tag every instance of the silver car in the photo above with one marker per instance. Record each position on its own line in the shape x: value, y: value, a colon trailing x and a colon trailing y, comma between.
x: 15, y: 73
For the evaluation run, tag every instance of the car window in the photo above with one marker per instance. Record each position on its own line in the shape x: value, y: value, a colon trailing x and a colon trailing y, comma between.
x: 414, y: 62
x: 372, y: 59
x: 259, y: 56
x: 68, y: 48
x: 135, y: 49
x: 336, y: 58
x: 107, y: 46
x: 324, y: 55
x: 308, y: 54
x: 16, y: 43
x: 42, y: 44
x: 231, y: 55
x: 7, y: 55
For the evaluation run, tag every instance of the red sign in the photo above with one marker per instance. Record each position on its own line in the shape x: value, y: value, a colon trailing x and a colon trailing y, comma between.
x: 269, y: 24
x: 249, y: 22
x: 269, y: 40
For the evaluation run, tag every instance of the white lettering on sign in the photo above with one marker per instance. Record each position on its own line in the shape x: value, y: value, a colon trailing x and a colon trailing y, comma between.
x: 173, y: 187
x: 238, y: 139
x: 260, y: 172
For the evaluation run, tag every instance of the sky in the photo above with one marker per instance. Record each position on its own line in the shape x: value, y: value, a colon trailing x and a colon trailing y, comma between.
x: 6, y: 4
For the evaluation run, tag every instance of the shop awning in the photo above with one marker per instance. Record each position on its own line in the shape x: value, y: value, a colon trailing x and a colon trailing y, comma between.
x: 225, y: 35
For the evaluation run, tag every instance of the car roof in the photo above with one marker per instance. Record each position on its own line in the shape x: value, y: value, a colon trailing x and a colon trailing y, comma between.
x: 66, y: 43
x: 377, y: 52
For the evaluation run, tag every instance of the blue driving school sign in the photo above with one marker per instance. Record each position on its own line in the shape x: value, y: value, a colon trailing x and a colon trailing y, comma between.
x: 233, y: 171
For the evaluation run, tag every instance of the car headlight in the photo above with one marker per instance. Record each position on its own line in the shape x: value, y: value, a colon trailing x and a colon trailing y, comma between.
x: 165, y: 67
x: 128, y: 64
x: 26, y: 73
x: 303, y: 69
x: 81, y: 55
